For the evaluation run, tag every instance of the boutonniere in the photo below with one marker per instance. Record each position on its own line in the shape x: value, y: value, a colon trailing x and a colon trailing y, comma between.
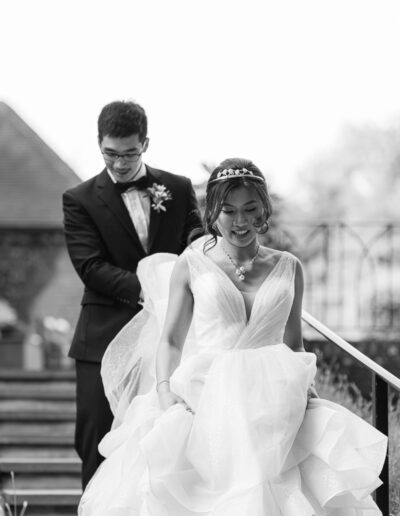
x: 158, y: 195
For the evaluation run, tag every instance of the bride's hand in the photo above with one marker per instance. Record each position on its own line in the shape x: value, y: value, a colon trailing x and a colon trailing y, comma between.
x: 168, y: 398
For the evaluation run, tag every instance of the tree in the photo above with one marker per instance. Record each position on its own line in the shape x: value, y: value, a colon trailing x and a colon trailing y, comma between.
x: 358, y: 179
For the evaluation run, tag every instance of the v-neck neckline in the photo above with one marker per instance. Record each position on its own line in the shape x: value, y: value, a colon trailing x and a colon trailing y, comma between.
x: 235, y: 288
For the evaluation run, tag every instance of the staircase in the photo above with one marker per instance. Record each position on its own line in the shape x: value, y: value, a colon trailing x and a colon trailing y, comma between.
x: 37, y: 421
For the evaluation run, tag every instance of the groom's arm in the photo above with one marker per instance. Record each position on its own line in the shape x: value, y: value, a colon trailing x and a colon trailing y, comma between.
x: 90, y: 257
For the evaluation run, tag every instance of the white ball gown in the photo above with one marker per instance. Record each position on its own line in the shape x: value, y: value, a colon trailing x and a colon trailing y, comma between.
x: 253, y: 446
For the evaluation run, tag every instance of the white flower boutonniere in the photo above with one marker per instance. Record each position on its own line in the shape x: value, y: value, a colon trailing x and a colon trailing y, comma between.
x: 158, y: 195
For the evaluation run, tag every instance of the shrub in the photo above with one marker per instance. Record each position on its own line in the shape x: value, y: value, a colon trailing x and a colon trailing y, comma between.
x: 338, y: 389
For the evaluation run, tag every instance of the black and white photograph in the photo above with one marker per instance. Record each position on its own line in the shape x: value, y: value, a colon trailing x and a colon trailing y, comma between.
x: 200, y: 258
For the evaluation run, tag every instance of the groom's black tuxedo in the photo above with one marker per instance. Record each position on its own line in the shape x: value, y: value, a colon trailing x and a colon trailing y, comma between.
x: 105, y: 250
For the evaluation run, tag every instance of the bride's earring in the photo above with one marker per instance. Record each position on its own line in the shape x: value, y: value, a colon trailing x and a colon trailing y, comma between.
x: 261, y: 230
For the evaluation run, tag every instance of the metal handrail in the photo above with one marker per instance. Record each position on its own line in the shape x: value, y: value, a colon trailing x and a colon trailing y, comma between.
x: 389, y: 378
x: 380, y: 382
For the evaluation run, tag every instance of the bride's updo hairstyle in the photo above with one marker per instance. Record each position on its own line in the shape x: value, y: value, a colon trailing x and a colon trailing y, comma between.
x: 230, y: 174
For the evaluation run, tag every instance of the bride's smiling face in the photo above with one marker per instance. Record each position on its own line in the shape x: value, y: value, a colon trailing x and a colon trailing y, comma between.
x: 241, y: 207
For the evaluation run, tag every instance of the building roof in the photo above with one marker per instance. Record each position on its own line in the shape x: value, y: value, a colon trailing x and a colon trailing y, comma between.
x: 32, y: 176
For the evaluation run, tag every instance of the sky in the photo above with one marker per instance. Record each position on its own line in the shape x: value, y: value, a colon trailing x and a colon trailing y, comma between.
x: 273, y: 81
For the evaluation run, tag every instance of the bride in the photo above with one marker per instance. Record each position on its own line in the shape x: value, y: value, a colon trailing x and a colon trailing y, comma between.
x: 214, y: 404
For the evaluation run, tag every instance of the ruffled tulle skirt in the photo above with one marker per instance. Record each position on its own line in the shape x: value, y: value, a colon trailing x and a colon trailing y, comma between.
x: 252, y: 447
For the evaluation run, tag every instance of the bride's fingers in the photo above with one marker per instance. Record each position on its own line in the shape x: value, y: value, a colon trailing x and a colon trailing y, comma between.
x: 181, y: 401
x: 189, y: 409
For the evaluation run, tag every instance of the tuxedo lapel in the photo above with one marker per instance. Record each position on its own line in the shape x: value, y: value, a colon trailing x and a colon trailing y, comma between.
x: 155, y: 216
x: 108, y: 193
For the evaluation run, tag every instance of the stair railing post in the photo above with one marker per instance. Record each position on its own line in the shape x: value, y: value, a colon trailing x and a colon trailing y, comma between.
x: 380, y: 401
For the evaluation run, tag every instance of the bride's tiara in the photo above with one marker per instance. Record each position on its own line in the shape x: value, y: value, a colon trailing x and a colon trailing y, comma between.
x: 229, y: 173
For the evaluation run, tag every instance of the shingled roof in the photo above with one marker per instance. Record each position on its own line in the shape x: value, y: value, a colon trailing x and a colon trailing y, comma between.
x: 32, y: 176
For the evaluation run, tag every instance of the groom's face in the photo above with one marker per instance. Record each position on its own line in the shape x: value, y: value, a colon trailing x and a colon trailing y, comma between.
x: 123, y: 156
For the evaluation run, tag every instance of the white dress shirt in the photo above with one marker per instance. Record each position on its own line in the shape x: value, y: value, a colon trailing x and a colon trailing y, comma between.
x: 137, y: 203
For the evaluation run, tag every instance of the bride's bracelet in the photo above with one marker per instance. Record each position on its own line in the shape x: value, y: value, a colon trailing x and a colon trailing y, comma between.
x: 159, y: 383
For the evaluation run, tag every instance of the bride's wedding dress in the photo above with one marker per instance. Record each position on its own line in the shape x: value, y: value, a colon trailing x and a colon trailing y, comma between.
x: 253, y: 446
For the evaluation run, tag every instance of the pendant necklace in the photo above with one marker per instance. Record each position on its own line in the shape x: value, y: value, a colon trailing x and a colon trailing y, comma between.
x: 240, y: 270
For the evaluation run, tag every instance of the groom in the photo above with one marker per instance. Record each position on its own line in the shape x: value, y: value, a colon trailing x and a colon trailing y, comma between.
x: 111, y: 222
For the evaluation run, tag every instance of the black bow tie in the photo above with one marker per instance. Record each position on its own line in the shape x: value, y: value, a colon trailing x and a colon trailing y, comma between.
x: 140, y: 184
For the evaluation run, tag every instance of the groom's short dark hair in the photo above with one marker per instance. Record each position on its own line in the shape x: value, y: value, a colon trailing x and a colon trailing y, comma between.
x: 120, y: 119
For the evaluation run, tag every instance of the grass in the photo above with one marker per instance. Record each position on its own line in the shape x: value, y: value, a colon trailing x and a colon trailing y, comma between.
x: 338, y: 389
x: 5, y: 508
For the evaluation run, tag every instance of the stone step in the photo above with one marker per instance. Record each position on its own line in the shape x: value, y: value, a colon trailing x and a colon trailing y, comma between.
x: 36, y: 446
x: 38, y: 416
x: 39, y: 427
x: 9, y: 450
x: 40, y: 465
x: 41, y: 473
x: 36, y: 440
x: 37, y: 423
x: 42, y: 481
x: 34, y: 410
x: 44, y: 501
x: 48, y: 511
x: 37, y: 405
x: 37, y: 391
x: 36, y: 376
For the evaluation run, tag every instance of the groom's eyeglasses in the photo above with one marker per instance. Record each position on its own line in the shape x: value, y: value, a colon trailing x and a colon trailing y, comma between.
x: 129, y: 157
